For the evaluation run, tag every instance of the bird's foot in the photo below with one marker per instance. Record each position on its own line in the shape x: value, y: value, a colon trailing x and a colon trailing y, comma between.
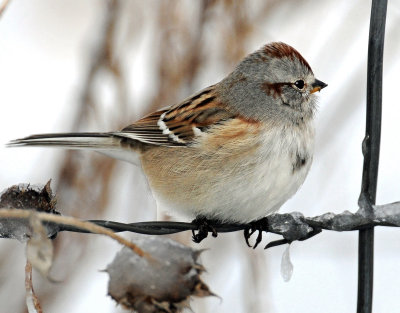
x: 204, y: 226
x: 284, y: 241
x: 260, y: 226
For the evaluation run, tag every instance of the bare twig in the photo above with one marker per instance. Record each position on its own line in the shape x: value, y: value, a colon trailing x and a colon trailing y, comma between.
x: 103, y: 59
x: 86, y: 226
x: 32, y: 301
x: 3, y: 6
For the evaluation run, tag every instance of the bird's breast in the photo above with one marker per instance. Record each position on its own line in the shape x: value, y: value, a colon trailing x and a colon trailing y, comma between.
x: 242, y: 178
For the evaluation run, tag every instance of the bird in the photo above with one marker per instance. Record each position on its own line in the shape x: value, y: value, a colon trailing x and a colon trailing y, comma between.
x: 233, y: 152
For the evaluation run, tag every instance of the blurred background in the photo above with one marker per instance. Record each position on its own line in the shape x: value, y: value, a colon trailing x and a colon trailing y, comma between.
x: 99, y: 65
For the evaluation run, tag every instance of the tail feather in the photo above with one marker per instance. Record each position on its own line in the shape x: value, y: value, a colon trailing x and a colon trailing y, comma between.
x: 105, y: 143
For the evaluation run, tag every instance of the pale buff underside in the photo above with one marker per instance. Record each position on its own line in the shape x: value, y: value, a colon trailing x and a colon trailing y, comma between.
x: 247, y: 177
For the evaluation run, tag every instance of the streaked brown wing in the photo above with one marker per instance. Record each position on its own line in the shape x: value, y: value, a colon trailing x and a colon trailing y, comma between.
x: 181, y: 123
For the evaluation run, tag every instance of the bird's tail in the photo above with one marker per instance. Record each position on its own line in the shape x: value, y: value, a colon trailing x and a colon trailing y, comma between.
x: 94, y: 141
x: 105, y: 143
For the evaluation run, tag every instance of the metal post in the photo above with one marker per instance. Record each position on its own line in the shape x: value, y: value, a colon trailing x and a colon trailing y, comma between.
x: 371, y: 152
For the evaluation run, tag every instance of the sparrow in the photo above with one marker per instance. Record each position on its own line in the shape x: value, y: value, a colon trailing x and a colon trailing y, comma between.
x: 233, y: 152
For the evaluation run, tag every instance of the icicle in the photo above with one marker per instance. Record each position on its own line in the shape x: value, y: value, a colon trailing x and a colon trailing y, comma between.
x: 286, y: 265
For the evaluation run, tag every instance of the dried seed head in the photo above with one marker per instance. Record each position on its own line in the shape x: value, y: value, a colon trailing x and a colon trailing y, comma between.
x: 38, y: 198
x: 164, y: 283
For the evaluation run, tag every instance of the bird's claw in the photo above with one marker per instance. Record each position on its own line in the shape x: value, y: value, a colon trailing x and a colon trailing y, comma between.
x: 260, y: 226
x: 203, y: 228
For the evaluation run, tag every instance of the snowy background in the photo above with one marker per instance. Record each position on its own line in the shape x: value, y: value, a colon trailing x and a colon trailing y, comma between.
x: 47, y: 48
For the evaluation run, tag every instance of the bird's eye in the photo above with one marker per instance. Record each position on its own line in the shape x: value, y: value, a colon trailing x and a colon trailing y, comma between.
x: 299, y: 84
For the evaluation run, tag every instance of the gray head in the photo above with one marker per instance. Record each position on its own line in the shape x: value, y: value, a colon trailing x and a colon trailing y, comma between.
x: 275, y: 82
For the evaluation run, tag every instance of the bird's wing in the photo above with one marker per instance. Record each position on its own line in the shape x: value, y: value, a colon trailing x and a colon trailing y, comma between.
x: 180, y: 124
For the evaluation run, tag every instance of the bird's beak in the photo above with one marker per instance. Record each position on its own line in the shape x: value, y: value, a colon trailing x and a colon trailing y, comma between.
x: 317, y: 86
